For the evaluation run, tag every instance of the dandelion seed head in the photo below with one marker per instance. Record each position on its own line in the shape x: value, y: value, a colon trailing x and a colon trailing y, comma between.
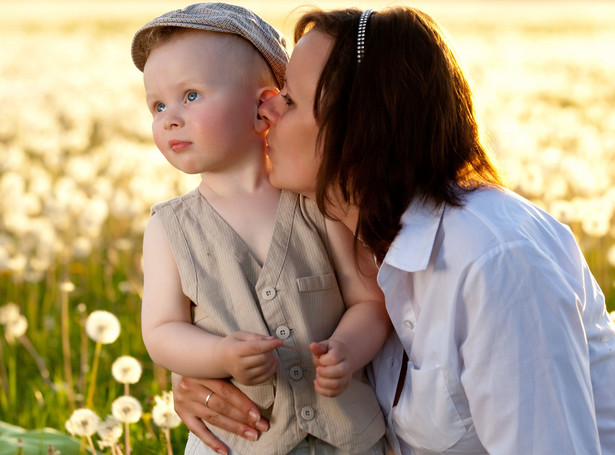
x: 126, y: 409
x: 125, y: 287
x: 31, y: 204
x: 82, y: 422
x: 109, y: 431
x: 9, y: 312
x: 556, y: 188
x: 82, y: 169
x: 126, y: 370
x: 4, y: 258
x: 15, y: 328
x: 163, y: 413
x: 17, y: 263
x: 12, y: 185
x: 40, y: 264
x: 532, y: 185
x: 123, y: 244
x: 610, y: 255
x: 595, y: 225
x: 16, y: 222
x: 563, y: 210
x: 122, y: 205
x: 102, y: 327
x: 39, y: 181
x: 13, y: 158
x: 33, y: 275
x: 82, y: 247
x: 92, y: 216
x: 67, y: 287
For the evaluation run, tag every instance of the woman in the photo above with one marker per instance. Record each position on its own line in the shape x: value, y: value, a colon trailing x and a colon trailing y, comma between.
x: 508, y: 343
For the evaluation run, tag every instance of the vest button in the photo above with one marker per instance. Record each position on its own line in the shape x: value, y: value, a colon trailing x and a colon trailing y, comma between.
x: 268, y: 293
x: 282, y: 332
x: 307, y: 413
x: 296, y: 373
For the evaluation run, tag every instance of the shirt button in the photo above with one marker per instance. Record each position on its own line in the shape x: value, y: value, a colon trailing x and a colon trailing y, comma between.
x: 282, y: 332
x: 307, y: 413
x: 296, y: 373
x: 408, y: 324
x: 268, y: 293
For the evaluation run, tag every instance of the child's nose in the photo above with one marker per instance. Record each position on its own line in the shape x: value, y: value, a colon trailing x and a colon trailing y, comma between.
x: 173, y: 119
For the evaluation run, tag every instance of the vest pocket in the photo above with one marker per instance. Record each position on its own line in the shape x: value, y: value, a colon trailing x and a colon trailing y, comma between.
x: 425, y: 416
x: 316, y: 282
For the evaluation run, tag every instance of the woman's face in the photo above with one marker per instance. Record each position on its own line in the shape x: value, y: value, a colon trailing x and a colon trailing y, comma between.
x: 293, y: 130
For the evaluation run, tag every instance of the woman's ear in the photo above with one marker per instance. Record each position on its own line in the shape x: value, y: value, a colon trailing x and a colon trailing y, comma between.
x: 264, y: 93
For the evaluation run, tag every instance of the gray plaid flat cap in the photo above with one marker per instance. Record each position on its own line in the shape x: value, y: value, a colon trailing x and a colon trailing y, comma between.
x: 222, y: 17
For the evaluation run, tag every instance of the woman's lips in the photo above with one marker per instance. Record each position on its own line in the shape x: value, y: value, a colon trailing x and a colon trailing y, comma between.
x: 178, y: 146
x: 267, y: 148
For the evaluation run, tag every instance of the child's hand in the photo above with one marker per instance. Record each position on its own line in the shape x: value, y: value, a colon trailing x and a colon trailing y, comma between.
x: 332, y: 360
x: 249, y: 357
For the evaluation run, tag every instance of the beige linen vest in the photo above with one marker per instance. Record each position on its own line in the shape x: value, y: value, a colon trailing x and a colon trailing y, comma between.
x: 293, y: 296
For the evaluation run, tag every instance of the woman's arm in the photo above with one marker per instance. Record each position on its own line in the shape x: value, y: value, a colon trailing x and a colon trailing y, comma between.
x: 228, y: 408
x: 171, y: 339
x: 525, y: 357
x: 349, y: 349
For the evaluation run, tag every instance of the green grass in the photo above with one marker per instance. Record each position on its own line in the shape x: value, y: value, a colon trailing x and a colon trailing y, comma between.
x: 27, y: 400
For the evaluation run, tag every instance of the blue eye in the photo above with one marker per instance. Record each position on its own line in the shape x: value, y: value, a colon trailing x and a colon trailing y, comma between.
x: 159, y: 107
x: 192, y: 96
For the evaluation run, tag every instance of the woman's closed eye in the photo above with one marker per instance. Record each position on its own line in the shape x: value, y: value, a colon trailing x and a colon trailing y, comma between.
x: 287, y: 99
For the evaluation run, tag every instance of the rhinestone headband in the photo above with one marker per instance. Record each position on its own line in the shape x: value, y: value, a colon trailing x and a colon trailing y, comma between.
x: 361, y: 33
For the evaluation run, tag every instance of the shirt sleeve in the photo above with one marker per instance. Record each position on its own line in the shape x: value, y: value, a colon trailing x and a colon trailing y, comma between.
x: 525, y: 356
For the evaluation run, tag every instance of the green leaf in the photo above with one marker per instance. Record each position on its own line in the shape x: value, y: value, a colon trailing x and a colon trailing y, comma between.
x: 35, y: 442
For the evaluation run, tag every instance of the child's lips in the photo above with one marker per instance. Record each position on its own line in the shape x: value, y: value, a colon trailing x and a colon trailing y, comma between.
x: 178, y: 146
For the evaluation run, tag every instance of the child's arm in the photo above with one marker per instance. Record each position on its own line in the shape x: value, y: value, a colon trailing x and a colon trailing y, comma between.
x: 364, y: 326
x: 171, y: 339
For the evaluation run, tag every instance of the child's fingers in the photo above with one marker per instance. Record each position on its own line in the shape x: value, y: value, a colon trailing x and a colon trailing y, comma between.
x: 332, y: 357
x: 331, y: 372
x: 319, y: 349
x: 254, y: 344
x: 266, y: 345
x: 255, y: 369
x: 259, y: 373
x: 329, y: 387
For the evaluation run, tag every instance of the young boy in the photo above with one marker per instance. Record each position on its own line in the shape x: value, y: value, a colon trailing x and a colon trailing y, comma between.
x: 236, y: 261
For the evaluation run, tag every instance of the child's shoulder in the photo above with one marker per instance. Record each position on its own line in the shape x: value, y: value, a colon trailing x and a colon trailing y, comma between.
x: 174, y: 202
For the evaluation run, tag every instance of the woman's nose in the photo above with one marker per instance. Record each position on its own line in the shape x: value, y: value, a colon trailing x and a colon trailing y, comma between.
x: 268, y: 111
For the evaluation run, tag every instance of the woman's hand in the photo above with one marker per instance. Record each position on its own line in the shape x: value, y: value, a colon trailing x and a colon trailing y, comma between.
x: 334, y: 370
x: 228, y: 408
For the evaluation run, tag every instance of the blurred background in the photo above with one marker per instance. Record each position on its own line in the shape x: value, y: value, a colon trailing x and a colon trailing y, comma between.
x: 79, y: 172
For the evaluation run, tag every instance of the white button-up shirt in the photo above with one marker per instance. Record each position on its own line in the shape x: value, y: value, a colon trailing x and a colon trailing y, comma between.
x: 511, y: 349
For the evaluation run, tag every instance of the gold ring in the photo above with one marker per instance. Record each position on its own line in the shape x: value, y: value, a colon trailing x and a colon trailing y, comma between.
x: 207, y: 399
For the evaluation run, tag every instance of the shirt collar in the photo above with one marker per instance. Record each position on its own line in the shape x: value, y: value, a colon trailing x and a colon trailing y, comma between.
x: 411, y: 249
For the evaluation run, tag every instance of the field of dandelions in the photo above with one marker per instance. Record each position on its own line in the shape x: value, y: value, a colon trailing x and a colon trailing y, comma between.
x: 79, y: 172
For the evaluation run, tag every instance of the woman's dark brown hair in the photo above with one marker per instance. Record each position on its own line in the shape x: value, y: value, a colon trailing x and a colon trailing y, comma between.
x: 398, y: 127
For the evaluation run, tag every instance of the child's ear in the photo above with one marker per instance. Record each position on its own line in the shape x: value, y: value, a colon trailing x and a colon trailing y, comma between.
x: 264, y: 93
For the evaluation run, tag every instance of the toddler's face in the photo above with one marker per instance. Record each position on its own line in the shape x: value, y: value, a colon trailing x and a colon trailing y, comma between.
x: 203, y: 114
